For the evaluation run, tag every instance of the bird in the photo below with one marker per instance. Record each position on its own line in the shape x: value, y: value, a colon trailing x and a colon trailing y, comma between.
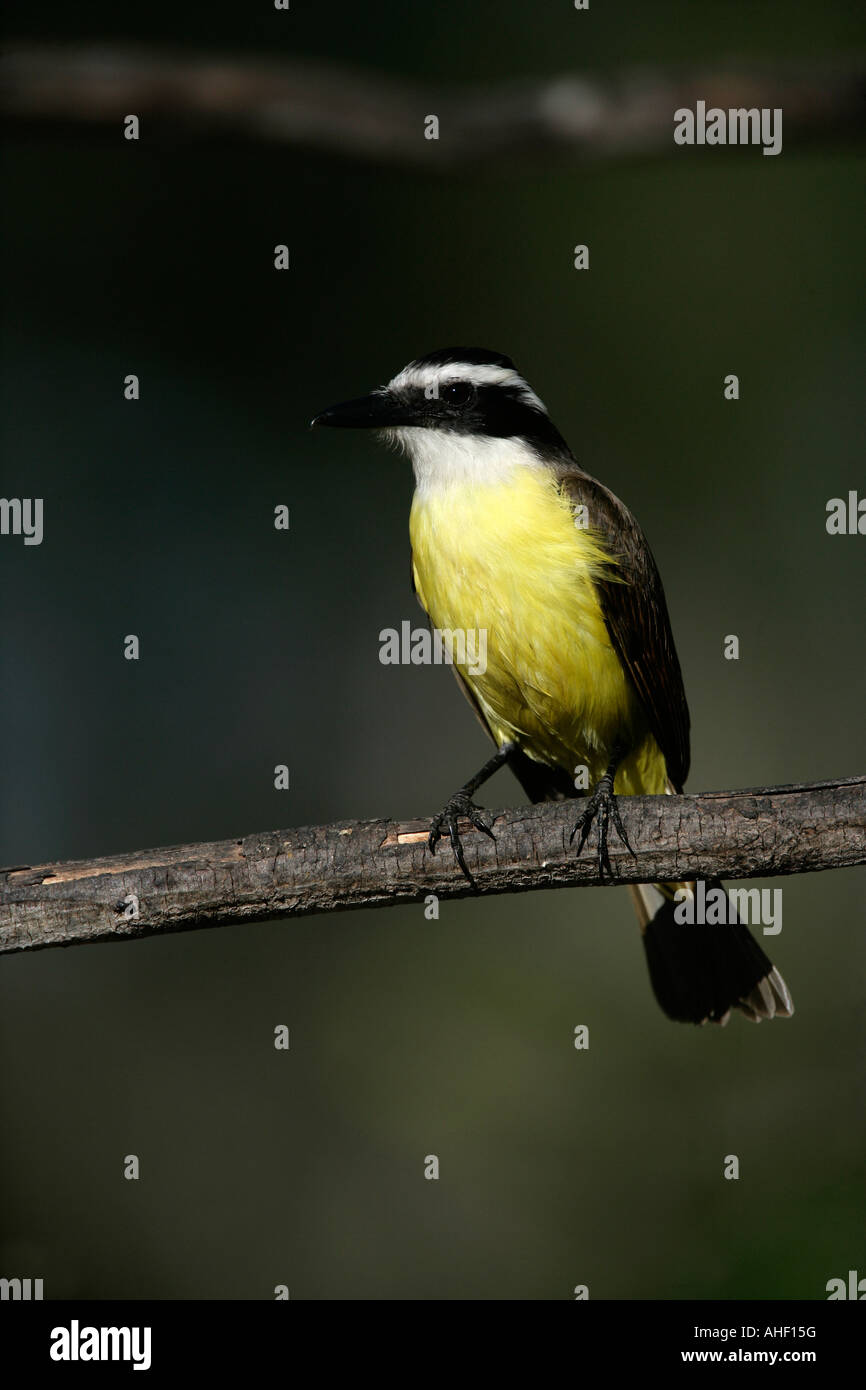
x: 511, y: 537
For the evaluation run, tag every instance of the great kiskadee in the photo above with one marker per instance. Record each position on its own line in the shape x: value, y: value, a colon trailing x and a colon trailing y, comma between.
x: 512, y: 538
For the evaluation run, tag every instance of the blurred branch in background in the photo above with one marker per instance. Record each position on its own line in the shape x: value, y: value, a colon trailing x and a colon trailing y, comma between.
x: 289, y: 873
x: 368, y: 116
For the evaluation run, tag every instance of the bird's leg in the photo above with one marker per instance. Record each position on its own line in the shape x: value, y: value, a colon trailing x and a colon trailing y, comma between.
x: 602, y: 804
x: 461, y: 804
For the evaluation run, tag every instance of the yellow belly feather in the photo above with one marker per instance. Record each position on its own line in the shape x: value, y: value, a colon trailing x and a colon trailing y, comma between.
x: 507, y: 558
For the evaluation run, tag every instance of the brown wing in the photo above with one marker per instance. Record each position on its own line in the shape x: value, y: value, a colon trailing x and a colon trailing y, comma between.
x: 636, y: 616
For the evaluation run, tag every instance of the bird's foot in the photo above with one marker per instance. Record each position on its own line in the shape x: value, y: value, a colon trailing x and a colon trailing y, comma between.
x: 460, y: 804
x: 601, y: 806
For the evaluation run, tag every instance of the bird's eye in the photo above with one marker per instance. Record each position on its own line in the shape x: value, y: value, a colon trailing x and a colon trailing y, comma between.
x: 456, y: 392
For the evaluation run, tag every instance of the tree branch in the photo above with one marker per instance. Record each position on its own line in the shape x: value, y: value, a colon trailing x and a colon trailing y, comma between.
x: 352, y: 864
x: 369, y: 116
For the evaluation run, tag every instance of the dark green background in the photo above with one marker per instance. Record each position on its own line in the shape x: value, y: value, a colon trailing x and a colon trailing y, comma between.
x: 411, y: 1037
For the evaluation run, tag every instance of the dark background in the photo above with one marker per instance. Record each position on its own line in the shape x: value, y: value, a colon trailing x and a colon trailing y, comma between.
x: 411, y: 1037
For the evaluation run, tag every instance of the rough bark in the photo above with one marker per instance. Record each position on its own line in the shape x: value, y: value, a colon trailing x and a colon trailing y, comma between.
x: 290, y: 873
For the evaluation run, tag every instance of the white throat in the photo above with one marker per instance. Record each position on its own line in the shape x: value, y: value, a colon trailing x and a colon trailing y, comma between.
x: 442, y: 460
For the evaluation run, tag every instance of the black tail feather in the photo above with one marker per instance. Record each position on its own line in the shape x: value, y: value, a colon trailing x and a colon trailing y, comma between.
x: 700, y: 972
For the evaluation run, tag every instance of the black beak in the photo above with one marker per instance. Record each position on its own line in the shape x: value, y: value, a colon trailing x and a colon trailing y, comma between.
x: 378, y: 411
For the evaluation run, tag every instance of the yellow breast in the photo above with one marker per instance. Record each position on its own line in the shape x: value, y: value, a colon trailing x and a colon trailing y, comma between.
x: 507, y: 559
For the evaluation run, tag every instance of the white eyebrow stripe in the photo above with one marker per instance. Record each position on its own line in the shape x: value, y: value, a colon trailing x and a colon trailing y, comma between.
x: 479, y: 373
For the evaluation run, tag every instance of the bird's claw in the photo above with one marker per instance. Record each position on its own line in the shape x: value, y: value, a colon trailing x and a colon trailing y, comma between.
x: 459, y: 805
x: 603, y: 806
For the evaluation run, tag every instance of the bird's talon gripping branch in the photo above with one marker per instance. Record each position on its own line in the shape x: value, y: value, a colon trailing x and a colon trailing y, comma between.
x: 602, y: 805
x: 459, y: 805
